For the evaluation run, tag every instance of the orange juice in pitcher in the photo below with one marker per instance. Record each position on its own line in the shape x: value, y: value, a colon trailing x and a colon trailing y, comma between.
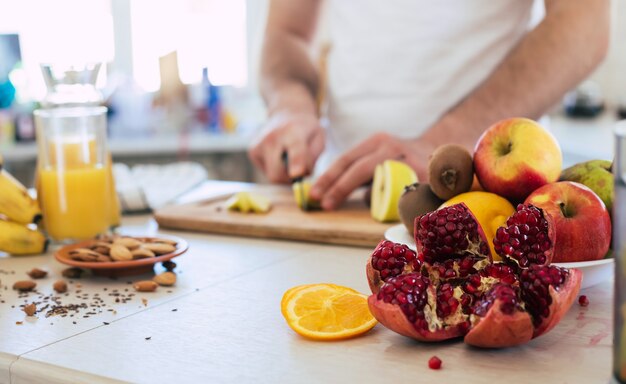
x: 74, y: 178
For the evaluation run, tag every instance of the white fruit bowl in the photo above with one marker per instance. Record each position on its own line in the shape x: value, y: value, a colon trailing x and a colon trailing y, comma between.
x: 594, y: 272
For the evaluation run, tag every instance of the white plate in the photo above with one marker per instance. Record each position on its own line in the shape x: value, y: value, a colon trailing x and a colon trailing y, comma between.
x: 594, y: 272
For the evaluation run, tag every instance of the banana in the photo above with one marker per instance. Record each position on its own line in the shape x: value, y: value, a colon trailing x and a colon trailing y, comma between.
x: 15, y: 202
x: 17, y: 239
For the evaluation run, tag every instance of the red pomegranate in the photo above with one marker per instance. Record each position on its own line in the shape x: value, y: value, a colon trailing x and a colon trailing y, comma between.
x: 451, y: 288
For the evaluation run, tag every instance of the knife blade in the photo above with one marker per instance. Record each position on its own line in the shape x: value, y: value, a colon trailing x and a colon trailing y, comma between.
x: 297, y: 185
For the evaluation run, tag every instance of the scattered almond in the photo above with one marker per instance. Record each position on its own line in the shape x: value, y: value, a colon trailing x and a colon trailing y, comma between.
x: 166, y: 279
x: 37, y: 273
x: 120, y: 253
x: 145, y: 286
x: 60, y: 286
x: 72, y: 273
x: 160, y: 248
x: 24, y: 285
x: 30, y: 309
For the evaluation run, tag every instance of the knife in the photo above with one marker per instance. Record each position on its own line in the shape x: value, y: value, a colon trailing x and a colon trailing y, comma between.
x: 296, y: 184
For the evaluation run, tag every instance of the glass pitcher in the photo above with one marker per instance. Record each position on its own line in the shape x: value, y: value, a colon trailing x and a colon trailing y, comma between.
x: 73, y: 176
x: 74, y: 85
x: 71, y: 85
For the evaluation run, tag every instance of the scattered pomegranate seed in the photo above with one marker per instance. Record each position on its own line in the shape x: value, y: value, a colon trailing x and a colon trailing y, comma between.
x: 583, y: 301
x: 434, y: 363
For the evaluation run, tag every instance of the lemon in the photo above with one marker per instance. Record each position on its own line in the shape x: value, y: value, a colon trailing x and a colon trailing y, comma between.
x: 326, y: 311
x: 390, y: 178
x: 490, y: 210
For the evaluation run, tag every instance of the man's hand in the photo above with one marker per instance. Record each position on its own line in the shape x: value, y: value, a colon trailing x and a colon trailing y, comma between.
x: 356, y: 167
x: 298, y: 134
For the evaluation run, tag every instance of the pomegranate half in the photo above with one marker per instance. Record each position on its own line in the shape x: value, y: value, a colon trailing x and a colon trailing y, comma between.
x: 451, y: 287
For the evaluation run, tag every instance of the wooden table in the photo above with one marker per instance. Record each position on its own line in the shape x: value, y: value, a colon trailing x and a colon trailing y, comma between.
x: 222, y: 324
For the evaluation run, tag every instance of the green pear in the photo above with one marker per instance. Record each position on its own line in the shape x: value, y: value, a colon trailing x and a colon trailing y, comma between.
x: 595, y: 174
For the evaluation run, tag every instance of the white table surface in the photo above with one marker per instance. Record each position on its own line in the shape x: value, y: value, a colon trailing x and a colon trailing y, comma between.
x: 227, y: 327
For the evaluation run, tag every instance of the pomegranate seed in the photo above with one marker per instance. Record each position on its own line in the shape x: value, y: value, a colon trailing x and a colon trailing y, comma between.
x: 583, y: 301
x: 507, y: 295
x: 434, y: 363
x: 534, y: 282
x: 449, y: 232
x: 525, y: 237
x: 408, y: 292
x: 390, y: 259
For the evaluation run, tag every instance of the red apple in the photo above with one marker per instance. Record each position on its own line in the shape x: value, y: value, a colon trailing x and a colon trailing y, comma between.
x: 581, y: 221
x: 515, y: 156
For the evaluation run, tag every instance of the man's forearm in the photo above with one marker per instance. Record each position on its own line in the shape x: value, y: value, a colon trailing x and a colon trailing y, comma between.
x: 550, y: 60
x: 289, y: 77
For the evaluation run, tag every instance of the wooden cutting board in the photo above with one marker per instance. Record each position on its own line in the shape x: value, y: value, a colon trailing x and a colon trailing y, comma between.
x: 349, y: 225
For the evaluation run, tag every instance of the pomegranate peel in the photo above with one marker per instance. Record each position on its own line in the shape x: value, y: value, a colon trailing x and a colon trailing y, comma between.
x: 392, y: 317
x: 500, y: 330
x: 562, y: 300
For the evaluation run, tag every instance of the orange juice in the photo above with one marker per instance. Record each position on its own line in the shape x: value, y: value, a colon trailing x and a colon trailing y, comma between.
x: 75, y: 202
x: 77, y: 155
x: 74, y: 153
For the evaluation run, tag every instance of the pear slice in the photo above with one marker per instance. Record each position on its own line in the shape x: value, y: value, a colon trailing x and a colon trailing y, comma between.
x: 246, y: 202
x: 390, y: 178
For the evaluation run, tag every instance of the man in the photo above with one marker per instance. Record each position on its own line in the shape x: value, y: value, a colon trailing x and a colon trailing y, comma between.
x: 405, y: 76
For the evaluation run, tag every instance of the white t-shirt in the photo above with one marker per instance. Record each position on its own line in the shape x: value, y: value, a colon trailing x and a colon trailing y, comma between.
x: 398, y: 65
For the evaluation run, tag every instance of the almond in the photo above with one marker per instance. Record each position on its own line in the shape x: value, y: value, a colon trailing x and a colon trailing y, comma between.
x: 166, y: 279
x: 60, y: 286
x: 104, y: 259
x: 142, y: 253
x: 37, y: 273
x: 24, y: 285
x: 84, y: 257
x: 128, y: 242
x: 165, y: 241
x: 160, y: 248
x: 102, y: 250
x: 145, y: 286
x: 30, y: 309
x: 82, y: 251
x: 120, y: 253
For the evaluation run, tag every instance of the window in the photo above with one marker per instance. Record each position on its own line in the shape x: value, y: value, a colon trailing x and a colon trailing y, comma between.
x: 205, y: 33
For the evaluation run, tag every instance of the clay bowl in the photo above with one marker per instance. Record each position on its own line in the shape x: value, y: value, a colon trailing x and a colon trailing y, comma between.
x: 120, y: 268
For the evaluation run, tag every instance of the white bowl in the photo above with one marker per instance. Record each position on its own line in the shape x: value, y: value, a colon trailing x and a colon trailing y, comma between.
x: 594, y: 272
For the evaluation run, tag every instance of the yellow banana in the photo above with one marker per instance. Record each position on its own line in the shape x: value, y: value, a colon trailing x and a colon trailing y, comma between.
x: 18, y: 239
x: 15, y: 202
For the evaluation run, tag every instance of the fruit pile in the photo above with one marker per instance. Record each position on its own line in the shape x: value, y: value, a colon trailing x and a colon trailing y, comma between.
x: 518, y: 161
x: 483, y: 269
x: 19, y: 214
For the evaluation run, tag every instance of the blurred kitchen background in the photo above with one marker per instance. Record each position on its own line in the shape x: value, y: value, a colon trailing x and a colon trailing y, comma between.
x: 180, y: 80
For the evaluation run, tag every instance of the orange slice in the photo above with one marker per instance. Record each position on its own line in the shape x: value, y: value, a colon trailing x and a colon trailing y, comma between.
x: 326, y: 311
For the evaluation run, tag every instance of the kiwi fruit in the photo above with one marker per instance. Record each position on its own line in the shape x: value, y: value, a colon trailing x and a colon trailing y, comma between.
x: 450, y: 171
x: 416, y: 200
